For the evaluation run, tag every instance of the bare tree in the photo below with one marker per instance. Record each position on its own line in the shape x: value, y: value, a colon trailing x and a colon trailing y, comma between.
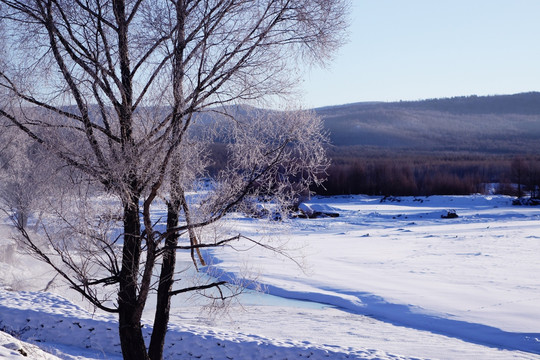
x: 118, y: 91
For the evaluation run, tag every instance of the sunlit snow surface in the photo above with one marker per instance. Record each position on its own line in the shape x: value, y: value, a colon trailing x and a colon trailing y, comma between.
x: 385, y: 280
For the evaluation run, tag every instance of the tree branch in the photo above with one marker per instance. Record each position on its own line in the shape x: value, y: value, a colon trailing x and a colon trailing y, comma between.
x: 196, y: 288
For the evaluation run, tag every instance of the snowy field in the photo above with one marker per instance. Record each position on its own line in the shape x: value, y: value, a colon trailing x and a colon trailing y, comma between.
x: 384, y: 280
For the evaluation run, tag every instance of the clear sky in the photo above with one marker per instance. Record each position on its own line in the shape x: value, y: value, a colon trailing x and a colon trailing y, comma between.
x: 418, y: 49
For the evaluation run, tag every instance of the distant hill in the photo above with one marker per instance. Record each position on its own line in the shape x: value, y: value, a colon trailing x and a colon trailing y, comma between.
x: 501, y: 124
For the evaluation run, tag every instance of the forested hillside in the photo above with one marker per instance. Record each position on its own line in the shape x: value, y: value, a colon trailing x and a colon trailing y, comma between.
x: 436, y: 146
x: 492, y: 124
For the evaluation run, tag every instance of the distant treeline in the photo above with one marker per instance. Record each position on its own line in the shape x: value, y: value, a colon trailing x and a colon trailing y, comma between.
x: 355, y: 170
x: 401, y: 174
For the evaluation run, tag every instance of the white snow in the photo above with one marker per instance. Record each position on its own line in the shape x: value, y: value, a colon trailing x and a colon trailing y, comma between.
x: 384, y: 280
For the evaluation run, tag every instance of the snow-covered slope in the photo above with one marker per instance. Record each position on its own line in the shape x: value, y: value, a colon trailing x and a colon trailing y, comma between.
x: 385, y: 280
x: 13, y: 348
x: 67, y: 331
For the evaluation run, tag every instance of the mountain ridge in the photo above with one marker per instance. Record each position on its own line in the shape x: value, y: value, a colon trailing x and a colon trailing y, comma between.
x: 481, y: 124
x: 528, y: 102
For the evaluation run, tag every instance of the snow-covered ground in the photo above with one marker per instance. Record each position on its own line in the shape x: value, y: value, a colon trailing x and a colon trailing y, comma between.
x: 385, y: 280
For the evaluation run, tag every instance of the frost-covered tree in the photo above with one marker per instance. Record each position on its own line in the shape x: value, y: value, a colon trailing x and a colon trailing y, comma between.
x: 27, y: 176
x: 119, y: 91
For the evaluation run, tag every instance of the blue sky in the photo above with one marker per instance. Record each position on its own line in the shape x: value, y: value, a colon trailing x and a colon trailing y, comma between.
x: 418, y: 49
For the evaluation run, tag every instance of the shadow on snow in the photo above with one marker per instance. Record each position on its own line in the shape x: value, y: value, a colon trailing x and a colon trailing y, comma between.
x: 374, y: 306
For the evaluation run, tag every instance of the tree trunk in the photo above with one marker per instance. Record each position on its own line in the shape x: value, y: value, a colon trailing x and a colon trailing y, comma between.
x: 166, y: 279
x: 130, y: 309
x: 131, y: 339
